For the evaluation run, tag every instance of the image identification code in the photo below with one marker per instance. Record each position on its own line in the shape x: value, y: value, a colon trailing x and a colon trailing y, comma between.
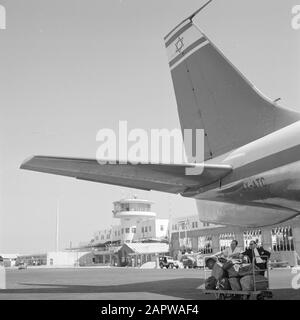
x: 171, y: 309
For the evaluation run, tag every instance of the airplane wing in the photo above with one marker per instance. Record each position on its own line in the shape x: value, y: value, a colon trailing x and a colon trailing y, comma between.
x: 160, y: 177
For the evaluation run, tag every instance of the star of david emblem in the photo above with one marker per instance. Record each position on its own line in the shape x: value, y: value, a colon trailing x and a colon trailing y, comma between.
x: 179, y: 44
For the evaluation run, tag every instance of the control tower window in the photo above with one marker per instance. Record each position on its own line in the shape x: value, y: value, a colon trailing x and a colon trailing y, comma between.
x: 139, y: 207
x: 124, y: 207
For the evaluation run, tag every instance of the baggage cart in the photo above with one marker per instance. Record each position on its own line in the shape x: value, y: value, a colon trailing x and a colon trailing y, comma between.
x: 242, y: 294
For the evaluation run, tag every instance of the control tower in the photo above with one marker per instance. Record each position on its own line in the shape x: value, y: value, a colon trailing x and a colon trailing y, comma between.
x: 132, y: 212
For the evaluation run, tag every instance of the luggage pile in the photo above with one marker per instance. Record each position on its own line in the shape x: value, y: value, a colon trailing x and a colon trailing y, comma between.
x: 237, y: 276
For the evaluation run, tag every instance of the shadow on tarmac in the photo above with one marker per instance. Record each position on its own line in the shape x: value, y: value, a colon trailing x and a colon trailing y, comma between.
x: 179, y: 288
x: 185, y: 288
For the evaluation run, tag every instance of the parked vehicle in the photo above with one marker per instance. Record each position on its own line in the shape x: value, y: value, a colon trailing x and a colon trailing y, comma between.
x: 22, y: 265
x: 178, y: 264
x: 168, y: 262
x: 193, y: 260
x: 188, y: 261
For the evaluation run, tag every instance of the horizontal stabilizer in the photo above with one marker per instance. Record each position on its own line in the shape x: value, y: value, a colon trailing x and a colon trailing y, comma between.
x: 170, y: 178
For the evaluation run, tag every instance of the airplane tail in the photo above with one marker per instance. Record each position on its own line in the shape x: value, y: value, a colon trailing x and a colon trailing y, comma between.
x: 214, y: 96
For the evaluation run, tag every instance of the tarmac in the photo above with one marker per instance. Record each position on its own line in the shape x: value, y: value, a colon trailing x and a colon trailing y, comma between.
x: 125, y: 284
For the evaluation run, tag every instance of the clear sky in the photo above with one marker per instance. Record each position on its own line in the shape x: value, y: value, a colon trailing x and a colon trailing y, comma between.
x: 69, y: 68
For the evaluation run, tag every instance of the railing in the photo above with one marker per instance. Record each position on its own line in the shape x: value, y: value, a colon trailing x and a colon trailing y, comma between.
x: 265, y: 258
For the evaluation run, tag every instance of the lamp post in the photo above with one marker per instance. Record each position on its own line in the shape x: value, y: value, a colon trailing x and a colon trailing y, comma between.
x: 57, y: 227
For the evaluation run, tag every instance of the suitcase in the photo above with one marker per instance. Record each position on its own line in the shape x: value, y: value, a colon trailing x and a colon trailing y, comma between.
x: 224, y: 284
x: 247, y: 270
x: 247, y: 283
x: 235, y: 284
x: 210, y: 283
x: 233, y: 271
x: 217, y: 271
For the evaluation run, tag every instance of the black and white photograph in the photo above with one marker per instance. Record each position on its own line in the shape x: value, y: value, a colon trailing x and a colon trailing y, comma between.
x: 149, y: 151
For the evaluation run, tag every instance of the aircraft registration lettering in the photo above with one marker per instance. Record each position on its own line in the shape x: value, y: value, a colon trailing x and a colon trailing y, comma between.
x: 254, y: 183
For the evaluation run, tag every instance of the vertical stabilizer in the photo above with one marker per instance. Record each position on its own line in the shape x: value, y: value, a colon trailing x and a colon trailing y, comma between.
x: 213, y: 95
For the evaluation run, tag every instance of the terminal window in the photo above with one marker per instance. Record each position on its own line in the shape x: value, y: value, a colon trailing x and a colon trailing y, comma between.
x: 252, y: 235
x: 225, y: 240
x: 185, y: 242
x: 205, y: 244
x: 194, y: 224
x: 182, y: 225
x: 282, y: 239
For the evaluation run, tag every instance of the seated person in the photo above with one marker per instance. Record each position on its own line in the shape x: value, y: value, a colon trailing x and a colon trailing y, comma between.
x: 231, y: 252
x: 260, y: 255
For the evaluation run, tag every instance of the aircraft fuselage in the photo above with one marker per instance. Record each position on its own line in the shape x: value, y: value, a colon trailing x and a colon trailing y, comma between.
x: 265, y: 181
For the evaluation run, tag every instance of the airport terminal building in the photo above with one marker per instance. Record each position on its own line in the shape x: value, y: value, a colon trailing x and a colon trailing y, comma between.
x: 283, y: 241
